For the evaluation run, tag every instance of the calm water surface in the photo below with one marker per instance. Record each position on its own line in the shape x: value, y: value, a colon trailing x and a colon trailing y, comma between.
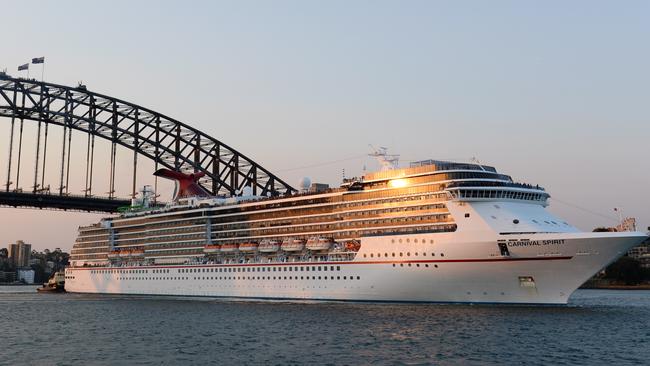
x: 598, y: 327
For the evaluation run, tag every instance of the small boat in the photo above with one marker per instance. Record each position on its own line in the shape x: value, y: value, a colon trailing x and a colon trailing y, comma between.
x: 269, y: 246
x: 56, y: 283
x: 113, y: 254
x: 125, y: 253
x: 352, y: 246
x: 211, y: 248
x: 319, y: 243
x: 229, y: 248
x: 293, y: 245
x: 248, y: 247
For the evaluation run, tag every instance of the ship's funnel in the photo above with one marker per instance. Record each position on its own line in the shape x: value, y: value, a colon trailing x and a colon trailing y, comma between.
x: 186, y: 184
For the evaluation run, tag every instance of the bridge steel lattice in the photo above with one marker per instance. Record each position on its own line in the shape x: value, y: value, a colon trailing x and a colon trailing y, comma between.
x: 166, y: 141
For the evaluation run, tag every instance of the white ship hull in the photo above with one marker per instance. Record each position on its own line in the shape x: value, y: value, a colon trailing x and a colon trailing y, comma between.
x: 540, y: 269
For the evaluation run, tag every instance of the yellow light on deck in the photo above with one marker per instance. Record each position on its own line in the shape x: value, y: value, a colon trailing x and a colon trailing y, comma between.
x: 397, y: 183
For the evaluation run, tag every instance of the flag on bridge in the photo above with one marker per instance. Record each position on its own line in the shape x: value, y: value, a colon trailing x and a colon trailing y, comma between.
x: 38, y: 60
x: 23, y: 67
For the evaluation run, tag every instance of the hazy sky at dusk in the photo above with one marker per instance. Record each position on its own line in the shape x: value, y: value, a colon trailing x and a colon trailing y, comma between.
x: 553, y: 93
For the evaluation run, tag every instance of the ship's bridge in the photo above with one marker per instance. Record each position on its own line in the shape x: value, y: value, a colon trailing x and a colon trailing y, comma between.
x: 488, y: 191
x: 461, y: 181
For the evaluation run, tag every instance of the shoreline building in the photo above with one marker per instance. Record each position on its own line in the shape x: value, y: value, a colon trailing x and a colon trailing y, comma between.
x: 20, y: 253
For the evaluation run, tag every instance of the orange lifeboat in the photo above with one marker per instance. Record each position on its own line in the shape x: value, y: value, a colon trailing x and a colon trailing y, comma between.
x: 113, y: 254
x: 319, y: 243
x: 248, y: 247
x: 269, y: 246
x: 211, y: 249
x: 229, y: 248
x: 353, y: 246
x: 125, y: 253
x: 293, y: 245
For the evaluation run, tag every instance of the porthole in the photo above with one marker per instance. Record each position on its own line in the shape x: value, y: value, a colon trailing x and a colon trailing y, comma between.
x: 515, y: 221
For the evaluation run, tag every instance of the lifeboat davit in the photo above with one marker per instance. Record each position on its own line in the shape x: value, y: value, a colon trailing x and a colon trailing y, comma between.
x: 230, y: 248
x: 137, y: 253
x: 319, y: 243
x: 293, y: 245
x: 269, y: 246
x: 248, y: 247
x: 211, y: 249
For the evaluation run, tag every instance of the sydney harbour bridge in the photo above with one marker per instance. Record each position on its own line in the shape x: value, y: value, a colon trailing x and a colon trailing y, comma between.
x: 164, y: 141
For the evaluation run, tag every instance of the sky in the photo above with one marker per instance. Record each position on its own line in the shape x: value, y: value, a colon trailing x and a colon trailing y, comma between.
x: 553, y: 93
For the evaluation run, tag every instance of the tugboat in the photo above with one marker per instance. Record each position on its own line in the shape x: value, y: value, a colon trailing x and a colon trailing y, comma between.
x: 56, y: 283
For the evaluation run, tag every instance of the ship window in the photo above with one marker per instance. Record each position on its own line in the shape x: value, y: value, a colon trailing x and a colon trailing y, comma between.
x: 401, y: 254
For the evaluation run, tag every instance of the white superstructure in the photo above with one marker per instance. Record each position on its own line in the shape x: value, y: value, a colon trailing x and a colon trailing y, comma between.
x: 435, y: 232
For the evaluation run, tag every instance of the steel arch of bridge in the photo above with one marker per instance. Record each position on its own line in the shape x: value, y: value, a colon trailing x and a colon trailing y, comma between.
x: 164, y: 140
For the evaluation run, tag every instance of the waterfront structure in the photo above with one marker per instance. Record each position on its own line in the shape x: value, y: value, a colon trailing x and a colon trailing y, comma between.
x: 20, y: 253
x: 26, y: 275
x: 7, y: 277
x: 641, y: 253
x: 438, y: 231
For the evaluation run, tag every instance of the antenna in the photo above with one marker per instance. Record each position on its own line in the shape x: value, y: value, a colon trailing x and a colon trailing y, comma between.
x: 474, y: 160
x: 386, y: 160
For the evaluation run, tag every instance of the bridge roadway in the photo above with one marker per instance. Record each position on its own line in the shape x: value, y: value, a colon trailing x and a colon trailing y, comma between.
x: 66, y: 202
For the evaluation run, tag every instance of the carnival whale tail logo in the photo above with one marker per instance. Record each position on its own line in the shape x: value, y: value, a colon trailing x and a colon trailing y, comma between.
x: 186, y: 184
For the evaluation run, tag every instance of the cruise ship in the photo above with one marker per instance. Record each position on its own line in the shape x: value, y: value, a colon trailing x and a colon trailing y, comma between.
x: 437, y: 231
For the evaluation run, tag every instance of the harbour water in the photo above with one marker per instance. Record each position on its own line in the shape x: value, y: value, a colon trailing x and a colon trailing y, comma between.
x: 597, y: 327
